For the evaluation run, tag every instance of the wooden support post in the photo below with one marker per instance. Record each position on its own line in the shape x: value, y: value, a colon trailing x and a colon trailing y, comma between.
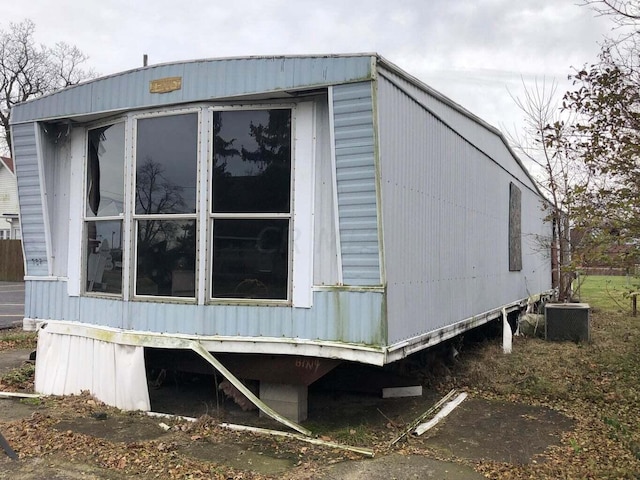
x: 634, y: 304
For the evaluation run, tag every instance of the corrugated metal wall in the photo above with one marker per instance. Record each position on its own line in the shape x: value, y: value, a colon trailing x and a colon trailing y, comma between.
x: 25, y: 149
x: 356, y: 178
x: 202, y: 79
x: 445, y: 217
x: 482, y: 137
x: 331, y: 318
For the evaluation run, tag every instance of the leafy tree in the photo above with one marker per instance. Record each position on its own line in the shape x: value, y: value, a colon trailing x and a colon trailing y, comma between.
x: 28, y: 70
x: 606, y: 135
x: 543, y: 143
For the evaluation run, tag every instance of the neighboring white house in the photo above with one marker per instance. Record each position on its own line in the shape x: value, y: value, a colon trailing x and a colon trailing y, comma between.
x: 9, y: 224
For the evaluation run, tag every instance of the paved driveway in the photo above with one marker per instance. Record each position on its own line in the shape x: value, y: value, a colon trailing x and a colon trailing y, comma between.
x: 11, y: 304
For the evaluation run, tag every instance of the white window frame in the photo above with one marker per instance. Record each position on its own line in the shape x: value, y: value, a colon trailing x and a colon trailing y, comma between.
x: 301, y: 214
x: 136, y: 218
x: 211, y: 216
x: 86, y: 219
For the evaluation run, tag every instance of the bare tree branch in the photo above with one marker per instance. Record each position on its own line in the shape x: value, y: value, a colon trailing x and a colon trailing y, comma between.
x: 28, y: 70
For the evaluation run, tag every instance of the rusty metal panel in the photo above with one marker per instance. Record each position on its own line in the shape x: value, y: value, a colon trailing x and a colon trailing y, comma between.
x: 446, y: 219
x: 201, y: 80
x: 356, y: 183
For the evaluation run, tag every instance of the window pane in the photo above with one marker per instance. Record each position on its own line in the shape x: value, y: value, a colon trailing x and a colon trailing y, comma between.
x: 166, y: 164
x: 166, y: 258
x: 252, y: 161
x: 250, y: 258
x: 105, y: 171
x: 103, y: 271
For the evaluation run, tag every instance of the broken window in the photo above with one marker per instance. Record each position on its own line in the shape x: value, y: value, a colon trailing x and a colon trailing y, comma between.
x: 104, y: 209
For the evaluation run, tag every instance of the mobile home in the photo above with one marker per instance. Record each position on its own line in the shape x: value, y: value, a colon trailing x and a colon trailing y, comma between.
x: 298, y: 209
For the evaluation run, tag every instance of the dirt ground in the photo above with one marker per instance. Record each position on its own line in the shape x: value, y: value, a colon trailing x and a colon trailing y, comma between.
x: 77, y: 437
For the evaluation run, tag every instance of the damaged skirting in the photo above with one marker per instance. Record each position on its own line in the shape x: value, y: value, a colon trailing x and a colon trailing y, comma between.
x: 113, y: 373
x: 110, y: 364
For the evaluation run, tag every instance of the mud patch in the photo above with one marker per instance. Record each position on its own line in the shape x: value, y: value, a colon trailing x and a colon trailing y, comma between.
x: 126, y: 428
x: 239, y: 457
x: 10, y: 359
x: 399, y: 466
x: 54, y: 468
x: 15, y: 409
x: 503, y: 432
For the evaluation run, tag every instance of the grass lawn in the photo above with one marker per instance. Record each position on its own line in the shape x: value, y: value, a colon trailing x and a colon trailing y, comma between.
x: 596, y: 384
x: 607, y: 293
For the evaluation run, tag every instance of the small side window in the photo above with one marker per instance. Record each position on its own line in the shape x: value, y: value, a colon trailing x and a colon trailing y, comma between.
x: 104, y: 209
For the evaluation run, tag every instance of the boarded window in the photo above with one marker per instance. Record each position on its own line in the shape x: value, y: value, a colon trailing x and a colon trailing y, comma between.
x: 515, y: 233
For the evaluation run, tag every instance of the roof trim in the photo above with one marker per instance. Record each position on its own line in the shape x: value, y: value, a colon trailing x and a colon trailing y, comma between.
x: 323, y: 78
x: 8, y: 162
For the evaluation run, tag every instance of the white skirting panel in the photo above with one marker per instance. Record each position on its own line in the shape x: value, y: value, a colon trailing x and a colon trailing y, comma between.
x: 113, y: 373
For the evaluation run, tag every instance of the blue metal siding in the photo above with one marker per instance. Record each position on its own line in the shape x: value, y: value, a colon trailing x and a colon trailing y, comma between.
x: 356, y: 179
x: 201, y: 80
x: 30, y: 197
x: 349, y: 317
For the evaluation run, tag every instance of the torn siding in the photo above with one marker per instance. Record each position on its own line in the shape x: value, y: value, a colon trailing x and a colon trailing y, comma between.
x: 356, y: 177
x: 30, y: 195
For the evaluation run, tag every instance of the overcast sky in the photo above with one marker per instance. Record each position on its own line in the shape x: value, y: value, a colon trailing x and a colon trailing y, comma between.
x: 474, y: 51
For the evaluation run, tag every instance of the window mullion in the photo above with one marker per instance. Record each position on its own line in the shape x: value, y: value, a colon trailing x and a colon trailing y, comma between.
x: 250, y: 216
x: 203, y: 206
x: 129, y: 201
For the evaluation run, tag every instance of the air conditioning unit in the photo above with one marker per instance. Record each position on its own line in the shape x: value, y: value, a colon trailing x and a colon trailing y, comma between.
x: 567, y: 321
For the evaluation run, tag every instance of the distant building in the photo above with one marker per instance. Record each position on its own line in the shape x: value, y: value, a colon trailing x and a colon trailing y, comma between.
x: 9, y: 218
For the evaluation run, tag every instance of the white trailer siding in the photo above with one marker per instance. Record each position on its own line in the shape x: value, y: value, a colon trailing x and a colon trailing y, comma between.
x: 446, y: 217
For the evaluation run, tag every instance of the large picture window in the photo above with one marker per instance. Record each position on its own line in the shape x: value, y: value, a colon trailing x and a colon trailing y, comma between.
x: 166, y: 155
x: 195, y: 205
x: 251, y: 204
x: 104, y: 209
